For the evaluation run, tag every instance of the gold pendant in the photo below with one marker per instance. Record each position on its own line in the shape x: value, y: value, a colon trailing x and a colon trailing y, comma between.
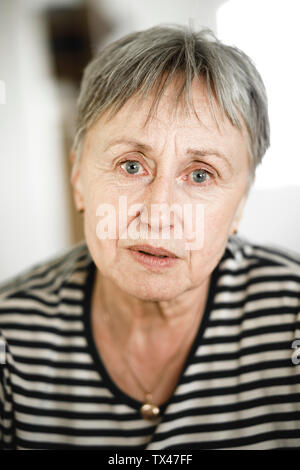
x: 150, y: 411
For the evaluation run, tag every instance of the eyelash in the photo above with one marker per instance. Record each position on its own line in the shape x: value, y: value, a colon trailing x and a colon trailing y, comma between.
x: 210, y: 174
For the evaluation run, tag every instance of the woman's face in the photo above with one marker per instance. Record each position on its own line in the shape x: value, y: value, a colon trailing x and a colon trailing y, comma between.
x: 169, y: 160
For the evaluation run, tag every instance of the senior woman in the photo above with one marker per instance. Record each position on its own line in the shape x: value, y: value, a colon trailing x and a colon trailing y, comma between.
x: 136, y: 338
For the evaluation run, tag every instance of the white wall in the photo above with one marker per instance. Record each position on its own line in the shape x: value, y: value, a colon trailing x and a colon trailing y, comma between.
x: 131, y: 15
x: 33, y: 207
x: 268, y: 30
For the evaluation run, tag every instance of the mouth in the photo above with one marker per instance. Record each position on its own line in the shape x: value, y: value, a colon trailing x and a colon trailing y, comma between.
x: 153, y: 259
x: 157, y: 252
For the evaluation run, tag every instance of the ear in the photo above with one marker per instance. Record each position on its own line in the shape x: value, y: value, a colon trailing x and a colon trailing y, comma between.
x: 238, y: 215
x: 76, y: 182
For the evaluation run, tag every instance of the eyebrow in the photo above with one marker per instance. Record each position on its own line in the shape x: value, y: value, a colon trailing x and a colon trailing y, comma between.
x: 133, y: 143
x: 199, y: 152
x: 210, y: 152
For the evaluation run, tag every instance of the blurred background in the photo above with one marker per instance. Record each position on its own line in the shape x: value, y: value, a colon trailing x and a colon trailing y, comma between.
x: 44, y: 46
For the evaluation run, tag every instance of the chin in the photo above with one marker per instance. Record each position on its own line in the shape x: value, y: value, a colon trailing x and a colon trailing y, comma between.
x: 155, y: 291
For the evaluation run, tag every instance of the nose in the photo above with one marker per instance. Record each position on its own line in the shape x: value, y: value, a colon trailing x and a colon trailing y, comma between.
x: 156, y: 212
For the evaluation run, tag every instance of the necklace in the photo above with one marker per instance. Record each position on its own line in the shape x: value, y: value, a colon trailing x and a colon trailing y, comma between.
x: 149, y: 410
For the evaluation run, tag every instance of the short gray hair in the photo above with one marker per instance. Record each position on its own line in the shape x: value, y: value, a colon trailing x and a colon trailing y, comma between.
x: 146, y: 61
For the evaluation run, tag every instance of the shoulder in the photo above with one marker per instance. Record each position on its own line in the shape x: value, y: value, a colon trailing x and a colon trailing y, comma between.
x: 257, y: 276
x: 48, y: 274
x: 257, y: 295
x: 241, y: 252
x: 257, y: 269
x: 48, y: 289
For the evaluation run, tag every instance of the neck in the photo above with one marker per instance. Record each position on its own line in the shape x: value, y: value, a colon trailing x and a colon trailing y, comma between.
x: 132, y: 320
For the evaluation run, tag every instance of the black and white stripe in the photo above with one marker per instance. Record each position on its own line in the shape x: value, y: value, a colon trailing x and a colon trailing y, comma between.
x: 239, y: 388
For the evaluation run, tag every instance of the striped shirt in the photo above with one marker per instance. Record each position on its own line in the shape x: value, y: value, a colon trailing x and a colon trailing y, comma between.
x: 239, y: 387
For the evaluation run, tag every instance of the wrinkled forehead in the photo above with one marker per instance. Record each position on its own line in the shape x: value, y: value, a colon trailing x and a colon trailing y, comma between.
x: 172, y: 104
x: 174, y: 108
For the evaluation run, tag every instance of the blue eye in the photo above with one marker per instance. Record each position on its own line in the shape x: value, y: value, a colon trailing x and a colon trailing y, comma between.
x: 199, y: 176
x: 132, y: 167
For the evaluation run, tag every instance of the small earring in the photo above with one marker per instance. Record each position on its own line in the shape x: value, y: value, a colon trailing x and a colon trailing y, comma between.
x: 81, y: 211
x: 235, y: 231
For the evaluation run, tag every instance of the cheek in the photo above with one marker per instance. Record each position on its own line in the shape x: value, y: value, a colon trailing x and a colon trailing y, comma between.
x: 202, y: 262
x: 105, y: 220
x: 99, y: 200
x: 218, y: 215
x: 217, y: 222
